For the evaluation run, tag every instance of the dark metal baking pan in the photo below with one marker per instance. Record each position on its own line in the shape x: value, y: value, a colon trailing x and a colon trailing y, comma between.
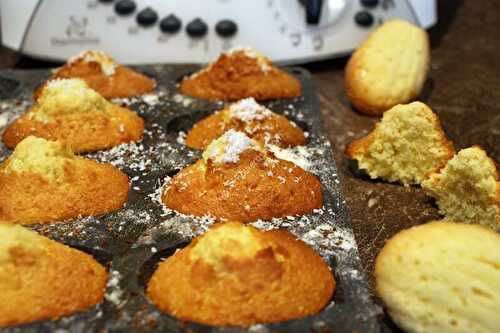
x: 134, y: 239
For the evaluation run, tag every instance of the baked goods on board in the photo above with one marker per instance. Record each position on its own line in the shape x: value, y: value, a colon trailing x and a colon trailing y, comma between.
x: 240, y: 73
x: 255, y: 120
x: 467, y: 189
x: 238, y: 275
x: 43, y: 181
x: 104, y: 75
x: 69, y: 111
x: 441, y: 277
x: 41, y: 279
x: 388, y: 68
x: 406, y: 145
x: 237, y: 179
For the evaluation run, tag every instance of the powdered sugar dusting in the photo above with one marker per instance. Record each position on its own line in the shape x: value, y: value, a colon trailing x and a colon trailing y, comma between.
x: 4, y: 118
x: 146, y: 158
x: 228, y: 147
x: 319, y: 229
x: 181, y: 138
x: 299, y: 155
x: 113, y: 290
x: 248, y: 110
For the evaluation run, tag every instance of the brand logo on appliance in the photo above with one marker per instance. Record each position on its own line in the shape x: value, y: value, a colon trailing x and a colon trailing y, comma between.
x: 76, y: 32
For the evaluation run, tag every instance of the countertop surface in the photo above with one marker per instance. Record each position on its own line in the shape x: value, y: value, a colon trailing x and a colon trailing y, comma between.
x: 463, y: 88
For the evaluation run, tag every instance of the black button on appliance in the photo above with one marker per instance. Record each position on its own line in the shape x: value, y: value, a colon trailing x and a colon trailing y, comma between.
x: 313, y: 11
x: 226, y: 28
x: 125, y: 7
x: 170, y: 24
x: 369, y: 3
x: 197, y: 28
x: 147, y: 17
x: 364, y: 18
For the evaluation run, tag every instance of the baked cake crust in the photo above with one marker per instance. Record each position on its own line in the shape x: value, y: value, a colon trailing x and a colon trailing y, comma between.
x: 441, y: 277
x: 280, y: 278
x: 116, y: 82
x: 103, y: 126
x: 263, y: 126
x: 238, y: 74
x: 254, y: 186
x: 42, y: 279
x: 388, y: 68
x: 81, y: 187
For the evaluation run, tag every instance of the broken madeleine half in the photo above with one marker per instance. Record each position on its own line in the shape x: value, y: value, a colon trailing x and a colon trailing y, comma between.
x: 237, y: 179
x: 467, y: 189
x: 251, y: 118
x: 235, y: 274
x: 406, y: 145
x: 240, y: 73
x: 43, y: 181
x: 69, y: 110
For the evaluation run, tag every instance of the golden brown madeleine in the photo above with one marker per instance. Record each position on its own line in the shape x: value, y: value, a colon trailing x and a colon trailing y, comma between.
x: 407, y: 144
x: 238, y: 180
x: 241, y: 73
x: 441, y: 277
x: 467, y: 189
x: 43, y: 181
x: 41, y: 279
x: 238, y: 275
x: 104, y: 75
x: 255, y: 120
x: 388, y: 68
x: 69, y: 111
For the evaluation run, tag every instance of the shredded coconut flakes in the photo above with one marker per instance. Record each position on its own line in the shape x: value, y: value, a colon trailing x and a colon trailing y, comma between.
x: 248, y: 110
x: 228, y: 147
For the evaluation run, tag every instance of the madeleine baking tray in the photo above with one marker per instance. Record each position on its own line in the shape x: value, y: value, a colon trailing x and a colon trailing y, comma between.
x: 132, y: 241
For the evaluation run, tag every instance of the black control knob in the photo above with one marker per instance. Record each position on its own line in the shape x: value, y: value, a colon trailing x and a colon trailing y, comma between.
x: 226, y: 28
x: 197, y: 28
x: 313, y: 10
x: 125, y: 7
x: 364, y: 18
x: 147, y: 17
x: 170, y: 24
x: 369, y: 3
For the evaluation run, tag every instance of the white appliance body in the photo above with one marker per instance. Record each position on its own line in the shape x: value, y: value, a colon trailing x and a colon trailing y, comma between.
x: 59, y: 29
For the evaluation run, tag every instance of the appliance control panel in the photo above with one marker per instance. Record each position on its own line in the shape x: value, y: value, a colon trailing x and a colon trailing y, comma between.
x: 196, y: 31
